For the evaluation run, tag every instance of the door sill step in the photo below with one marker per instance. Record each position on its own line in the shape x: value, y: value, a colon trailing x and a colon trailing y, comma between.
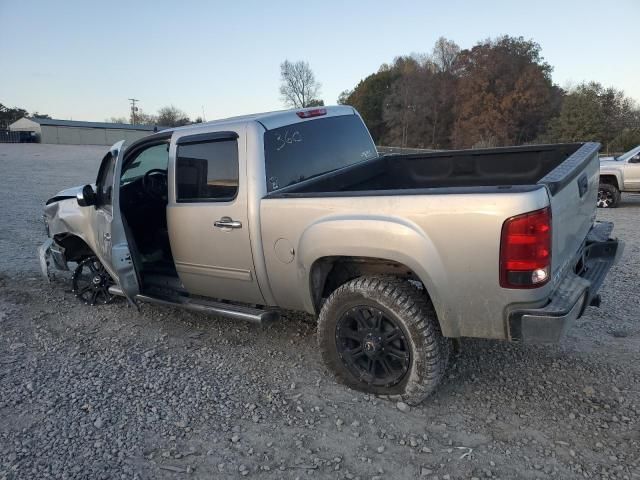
x: 228, y: 310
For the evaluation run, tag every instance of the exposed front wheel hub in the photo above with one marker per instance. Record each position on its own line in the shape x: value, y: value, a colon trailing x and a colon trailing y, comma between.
x: 372, y: 345
x: 91, y: 282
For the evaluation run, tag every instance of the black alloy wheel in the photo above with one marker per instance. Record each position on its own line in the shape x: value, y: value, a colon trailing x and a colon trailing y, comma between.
x: 608, y: 196
x: 381, y: 335
x: 373, y: 347
x: 91, y: 282
x: 605, y: 198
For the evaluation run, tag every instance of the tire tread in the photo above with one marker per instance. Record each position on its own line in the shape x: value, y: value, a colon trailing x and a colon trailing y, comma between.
x: 430, y: 350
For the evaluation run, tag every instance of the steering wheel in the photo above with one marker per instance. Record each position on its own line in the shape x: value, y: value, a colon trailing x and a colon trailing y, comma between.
x: 155, y: 184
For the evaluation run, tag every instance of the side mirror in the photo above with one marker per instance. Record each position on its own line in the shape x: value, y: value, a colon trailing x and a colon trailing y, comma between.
x: 635, y: 159
x: 87, y: 196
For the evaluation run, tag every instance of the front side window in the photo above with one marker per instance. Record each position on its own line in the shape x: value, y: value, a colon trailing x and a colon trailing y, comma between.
x: 207, y: 171
x: 104, y: 183
x: 151, y: 158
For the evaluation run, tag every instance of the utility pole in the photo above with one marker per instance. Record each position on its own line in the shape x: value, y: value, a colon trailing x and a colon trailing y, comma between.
x: 134, y: 109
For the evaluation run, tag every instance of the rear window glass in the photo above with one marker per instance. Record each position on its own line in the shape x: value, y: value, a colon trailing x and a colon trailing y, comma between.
x: 300, y: 151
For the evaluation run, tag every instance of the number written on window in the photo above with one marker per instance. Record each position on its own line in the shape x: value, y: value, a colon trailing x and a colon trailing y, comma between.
x: 288, y: 137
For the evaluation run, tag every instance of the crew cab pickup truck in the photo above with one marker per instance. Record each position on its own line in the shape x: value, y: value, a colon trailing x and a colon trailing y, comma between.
x: 617, y: 175
x: 394, y: 255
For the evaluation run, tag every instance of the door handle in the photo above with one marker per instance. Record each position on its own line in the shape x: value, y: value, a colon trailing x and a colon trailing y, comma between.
x: 227, y: 222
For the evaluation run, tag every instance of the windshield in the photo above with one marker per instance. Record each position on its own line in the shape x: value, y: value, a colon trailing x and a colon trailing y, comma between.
x: 303, y: 150
x: 625, y: 156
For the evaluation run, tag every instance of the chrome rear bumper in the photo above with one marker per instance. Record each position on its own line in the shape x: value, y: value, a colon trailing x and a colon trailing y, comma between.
x: 575, y: 292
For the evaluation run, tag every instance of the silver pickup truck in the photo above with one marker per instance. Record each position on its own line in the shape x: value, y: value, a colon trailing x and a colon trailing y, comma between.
x: 394, y: 255
x: 617, y: 175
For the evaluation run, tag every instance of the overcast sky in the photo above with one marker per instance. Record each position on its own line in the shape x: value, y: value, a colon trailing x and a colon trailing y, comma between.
x: 82, y: 60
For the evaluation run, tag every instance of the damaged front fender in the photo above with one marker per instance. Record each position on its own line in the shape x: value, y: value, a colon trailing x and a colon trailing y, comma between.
x: 51, y: 256
x: 68, y: 227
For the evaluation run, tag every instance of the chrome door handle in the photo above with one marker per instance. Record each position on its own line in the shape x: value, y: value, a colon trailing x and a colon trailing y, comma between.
x: 227, y: 222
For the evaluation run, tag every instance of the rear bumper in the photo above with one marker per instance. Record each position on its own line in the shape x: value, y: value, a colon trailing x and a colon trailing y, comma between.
x: 576, y: 291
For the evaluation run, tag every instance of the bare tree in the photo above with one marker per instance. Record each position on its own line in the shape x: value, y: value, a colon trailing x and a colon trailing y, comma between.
x: 117, y: 120
x: 172, y: 117
x: 299, y: 87
x: 444, y: 54
x: 143, y: 118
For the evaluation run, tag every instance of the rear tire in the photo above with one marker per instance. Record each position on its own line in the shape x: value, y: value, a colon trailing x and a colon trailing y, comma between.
x: 608, y: 196
x: 380, y: 335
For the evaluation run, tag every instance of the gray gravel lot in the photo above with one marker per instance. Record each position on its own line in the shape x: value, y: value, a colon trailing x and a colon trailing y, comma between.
x: 107, y: 392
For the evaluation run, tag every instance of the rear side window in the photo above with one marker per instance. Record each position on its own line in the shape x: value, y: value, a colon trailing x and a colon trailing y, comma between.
x: 207, y: 171
x: 303, y: 150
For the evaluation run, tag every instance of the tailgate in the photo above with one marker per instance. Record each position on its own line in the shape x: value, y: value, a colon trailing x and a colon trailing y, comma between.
x: 573, y: 188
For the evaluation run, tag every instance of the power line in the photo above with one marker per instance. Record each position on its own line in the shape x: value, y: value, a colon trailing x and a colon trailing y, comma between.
x: 134, y: 109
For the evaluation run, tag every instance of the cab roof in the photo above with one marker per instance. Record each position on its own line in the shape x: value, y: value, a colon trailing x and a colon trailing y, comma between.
x: 271, y: 120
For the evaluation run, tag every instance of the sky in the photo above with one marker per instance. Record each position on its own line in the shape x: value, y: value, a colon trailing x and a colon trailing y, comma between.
x: 83, y: 60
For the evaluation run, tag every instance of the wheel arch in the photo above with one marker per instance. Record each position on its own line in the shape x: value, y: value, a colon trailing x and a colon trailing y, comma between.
x: 610, y: 179
x: 335, y: 251
x: 330, y: 272
x: 75, y: 247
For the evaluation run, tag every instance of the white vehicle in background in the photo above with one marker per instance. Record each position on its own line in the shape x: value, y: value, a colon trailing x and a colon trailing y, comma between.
x: 618, y: 174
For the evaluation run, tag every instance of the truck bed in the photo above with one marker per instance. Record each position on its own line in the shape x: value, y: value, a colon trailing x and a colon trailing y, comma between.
x: 498, y: 167
x: 456, y: 202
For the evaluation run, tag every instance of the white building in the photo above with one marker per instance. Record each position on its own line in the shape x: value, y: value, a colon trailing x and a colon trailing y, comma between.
x: 80, y: 133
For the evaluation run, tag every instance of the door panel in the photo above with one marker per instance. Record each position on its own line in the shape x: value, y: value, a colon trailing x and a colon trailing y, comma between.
x: 109, y: 227
x: 207, y: 217
x: 102, y: 213
x: 632, y: 176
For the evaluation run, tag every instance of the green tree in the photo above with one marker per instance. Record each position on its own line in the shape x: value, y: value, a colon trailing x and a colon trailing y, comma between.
x: 10, y: 115
x: 418, y: 110
x: 625, y: 140
x: 593, y: 112
x: 406, y: 104
x: 40, y: 115
x: 343, y: 98
x: 410, y: 103
x: 368, y: 98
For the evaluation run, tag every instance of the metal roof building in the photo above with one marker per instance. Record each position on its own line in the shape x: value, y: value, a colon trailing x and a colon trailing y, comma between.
x: 73, y: 132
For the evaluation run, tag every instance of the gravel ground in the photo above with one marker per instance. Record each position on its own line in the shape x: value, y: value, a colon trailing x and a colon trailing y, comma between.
x: 107, y: 392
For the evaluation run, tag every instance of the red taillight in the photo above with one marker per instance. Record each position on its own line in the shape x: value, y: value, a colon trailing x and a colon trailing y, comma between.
x: 525, y: 250
x: 316, y: 112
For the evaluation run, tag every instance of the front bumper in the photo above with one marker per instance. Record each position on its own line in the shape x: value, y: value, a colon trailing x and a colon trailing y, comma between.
x: 51, y: 255
x: 576, y: 291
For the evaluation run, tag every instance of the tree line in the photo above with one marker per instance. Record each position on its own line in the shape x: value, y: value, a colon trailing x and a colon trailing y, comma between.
x: 497, y: 93
x: 169, y: 116
x: 8, y: 115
